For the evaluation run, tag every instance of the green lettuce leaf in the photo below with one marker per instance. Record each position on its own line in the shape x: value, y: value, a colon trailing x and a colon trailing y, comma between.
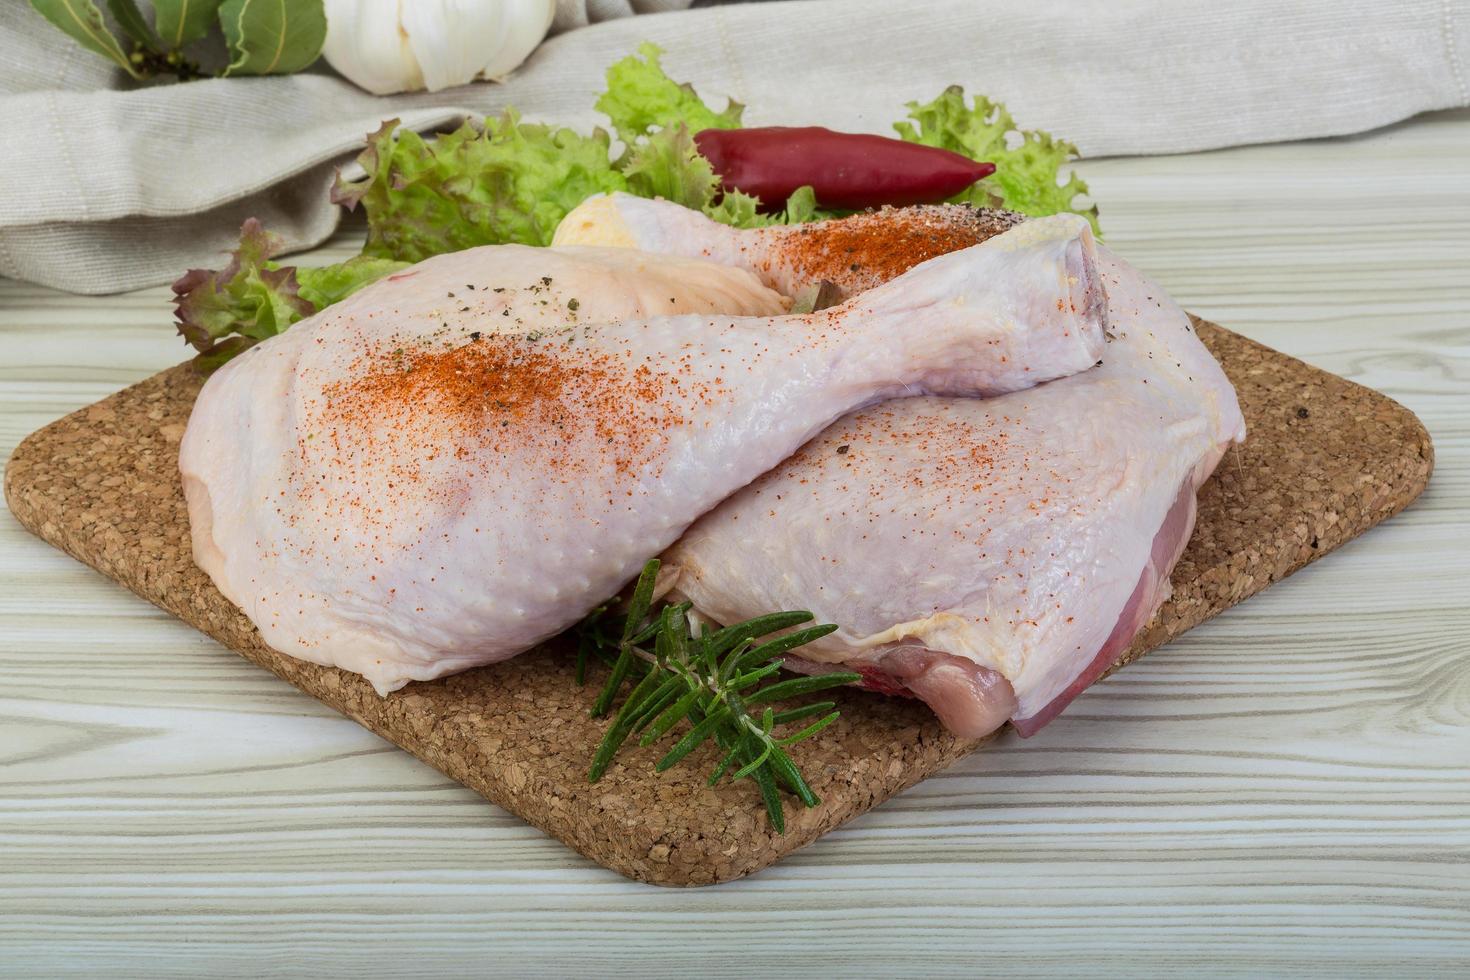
x: 743, y: 211
x: 1027, y: 175
x: 801, y: 207
x: 640, y: 99
x: 321, y: 286
x: 739, y: 209
x: 514, y: 181
x: 223, y: 312
x: 668, y: 165
x: 656, y: 118
x: 248, y: 296
x: 511, y: 182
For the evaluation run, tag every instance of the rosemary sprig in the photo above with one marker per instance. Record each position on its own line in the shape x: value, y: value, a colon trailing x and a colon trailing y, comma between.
x: 710, y: 682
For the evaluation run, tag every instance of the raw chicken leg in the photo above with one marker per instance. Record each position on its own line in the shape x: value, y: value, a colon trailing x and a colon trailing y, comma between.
x: 392, y: 488
x: 507, y: 289
x: 853, y: 253
x: 993, y: 556
x: 1005, y: 552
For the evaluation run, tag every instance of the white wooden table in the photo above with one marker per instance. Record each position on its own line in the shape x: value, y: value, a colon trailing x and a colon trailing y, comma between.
x: 1286, y: 789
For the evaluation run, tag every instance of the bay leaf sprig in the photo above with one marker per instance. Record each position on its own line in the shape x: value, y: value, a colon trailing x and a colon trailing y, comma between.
x: 718, y: 684
x: 262, y: 37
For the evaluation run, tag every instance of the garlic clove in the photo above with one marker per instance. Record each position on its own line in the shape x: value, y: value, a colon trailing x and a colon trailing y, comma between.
x: 526, y: 24
x: 367, y: 45
x: 451, y: 38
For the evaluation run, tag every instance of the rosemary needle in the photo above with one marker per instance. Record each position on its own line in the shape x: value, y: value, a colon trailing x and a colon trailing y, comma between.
x: 711, y: 683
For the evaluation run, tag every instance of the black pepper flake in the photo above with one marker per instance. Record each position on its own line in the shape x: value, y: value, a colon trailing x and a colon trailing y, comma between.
x: 572, y: 303
x: 498, y: 289
x: 506, y: 312
x: 842, y: 450
x: 475, y: 335
x: 546, y: 280
x: 1302, y: 413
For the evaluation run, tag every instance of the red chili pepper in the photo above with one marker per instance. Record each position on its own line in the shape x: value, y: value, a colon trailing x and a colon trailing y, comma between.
x: 846, y: 170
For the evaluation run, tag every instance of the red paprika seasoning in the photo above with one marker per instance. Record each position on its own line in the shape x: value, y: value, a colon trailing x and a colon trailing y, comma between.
x: 850, y: 171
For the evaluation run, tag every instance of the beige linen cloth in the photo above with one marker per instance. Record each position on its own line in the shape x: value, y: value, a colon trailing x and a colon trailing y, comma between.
x: 105, y: 186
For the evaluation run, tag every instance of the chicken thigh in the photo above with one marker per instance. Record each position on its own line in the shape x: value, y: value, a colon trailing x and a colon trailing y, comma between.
x: 991, y: 557
x: 397, y: 489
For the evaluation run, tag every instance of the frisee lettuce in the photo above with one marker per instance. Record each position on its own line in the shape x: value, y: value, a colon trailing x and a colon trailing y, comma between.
x: 641, y: 99
x: 656, y: 119
x: 226, y: 311
x: 321, y: 286
x: 514, y: 181
x: 1028, y: 162
x: 508, y: 182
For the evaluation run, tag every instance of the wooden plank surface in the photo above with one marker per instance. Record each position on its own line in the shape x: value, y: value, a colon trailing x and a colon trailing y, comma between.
x: 1324, y: 461
x: 1281, y: 789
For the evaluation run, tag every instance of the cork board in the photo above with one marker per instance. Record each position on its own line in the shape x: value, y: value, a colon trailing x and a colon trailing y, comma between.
x: 1325, y: 460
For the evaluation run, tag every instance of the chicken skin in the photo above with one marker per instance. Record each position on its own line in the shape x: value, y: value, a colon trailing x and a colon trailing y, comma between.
x: 992, y: 557
x: 459, y: 461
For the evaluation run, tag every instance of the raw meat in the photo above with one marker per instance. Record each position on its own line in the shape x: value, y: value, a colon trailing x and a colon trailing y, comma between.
x: 853, y: 253
x: 395, y: 488
x: 993, y: 558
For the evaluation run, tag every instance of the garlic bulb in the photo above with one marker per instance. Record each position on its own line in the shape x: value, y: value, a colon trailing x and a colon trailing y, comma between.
x: 389, y: 46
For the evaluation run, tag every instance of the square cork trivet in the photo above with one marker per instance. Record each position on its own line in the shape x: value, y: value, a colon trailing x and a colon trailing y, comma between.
x: 1324, y: 461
